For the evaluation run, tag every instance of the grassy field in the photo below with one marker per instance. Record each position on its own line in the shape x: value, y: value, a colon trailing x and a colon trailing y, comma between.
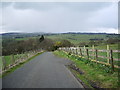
x: 104, y: 46
x: 76, y: 38
x: 25, y: 38
x: 97, y: 73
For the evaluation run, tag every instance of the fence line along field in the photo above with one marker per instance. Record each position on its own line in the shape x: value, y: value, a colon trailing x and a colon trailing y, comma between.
x: 107, y: 57
x: 7, y: 62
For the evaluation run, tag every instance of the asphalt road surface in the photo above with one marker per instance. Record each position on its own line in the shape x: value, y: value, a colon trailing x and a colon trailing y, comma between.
x: 0, y: 83
x: 44, y: 71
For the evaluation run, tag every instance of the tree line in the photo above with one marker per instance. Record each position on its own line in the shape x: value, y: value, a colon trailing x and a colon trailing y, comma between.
x: 12, y: 46
x: 99, y: 42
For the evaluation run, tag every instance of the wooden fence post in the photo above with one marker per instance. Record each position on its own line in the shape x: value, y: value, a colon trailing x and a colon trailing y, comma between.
x: 93, y: 48
x: 87, y: 53
x: 84, y: 50
x: 108, y: 53
x: 65, y: 49
x: 27, y: 54
x: 111, y: 58
x: 76, y: 50
x: 12, y: 59
x: 70, y: 50
x: 96, y: 54
x: 80, y: 52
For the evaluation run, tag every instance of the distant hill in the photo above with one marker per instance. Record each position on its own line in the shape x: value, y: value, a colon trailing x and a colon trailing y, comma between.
x: 82, y: 33
x: 10, y: 33
x: 14, y: 33
x: 90, y: 33
x: 74, y: 37
x: 18, y: 35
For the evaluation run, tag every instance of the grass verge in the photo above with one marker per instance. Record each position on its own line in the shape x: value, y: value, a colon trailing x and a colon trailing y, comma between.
x: 98, y: 74
x: 19, y: 65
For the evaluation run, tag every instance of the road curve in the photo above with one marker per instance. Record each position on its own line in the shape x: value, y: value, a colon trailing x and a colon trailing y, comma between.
x: 44, y: 71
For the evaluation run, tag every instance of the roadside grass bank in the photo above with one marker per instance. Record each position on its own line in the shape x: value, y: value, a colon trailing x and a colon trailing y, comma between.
x: 19, y: 65
x: 94, y: 74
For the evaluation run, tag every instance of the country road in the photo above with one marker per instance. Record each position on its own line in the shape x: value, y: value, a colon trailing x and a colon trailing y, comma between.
x: 44, y: 71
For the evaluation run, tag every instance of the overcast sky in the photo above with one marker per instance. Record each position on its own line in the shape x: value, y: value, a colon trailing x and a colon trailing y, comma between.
x: 59, y: 17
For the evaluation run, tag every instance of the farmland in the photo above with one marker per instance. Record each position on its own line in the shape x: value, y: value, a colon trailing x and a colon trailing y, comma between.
x: 76, y: 38
x: 22, y: 43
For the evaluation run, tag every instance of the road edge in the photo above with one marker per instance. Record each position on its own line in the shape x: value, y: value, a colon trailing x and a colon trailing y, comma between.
x: 19, y: 65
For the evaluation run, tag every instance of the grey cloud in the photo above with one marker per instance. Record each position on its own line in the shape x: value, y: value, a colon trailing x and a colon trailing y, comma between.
x: 58, y: 17
x: 79, y: 6
x: 5, y: 4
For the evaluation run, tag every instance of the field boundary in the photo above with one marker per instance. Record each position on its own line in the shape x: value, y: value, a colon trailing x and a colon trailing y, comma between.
x: 18, y: 61
x: 92, y: 55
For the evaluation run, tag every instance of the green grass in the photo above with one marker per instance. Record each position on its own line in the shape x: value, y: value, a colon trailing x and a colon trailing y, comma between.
x: 75, y: 38
x: 8, y: 58
x: 97, y: 73
x: 19, y: 65
x: 21, y: 39
x: 25, y: 38
x: 104, y: 46
x: 100, y: 59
